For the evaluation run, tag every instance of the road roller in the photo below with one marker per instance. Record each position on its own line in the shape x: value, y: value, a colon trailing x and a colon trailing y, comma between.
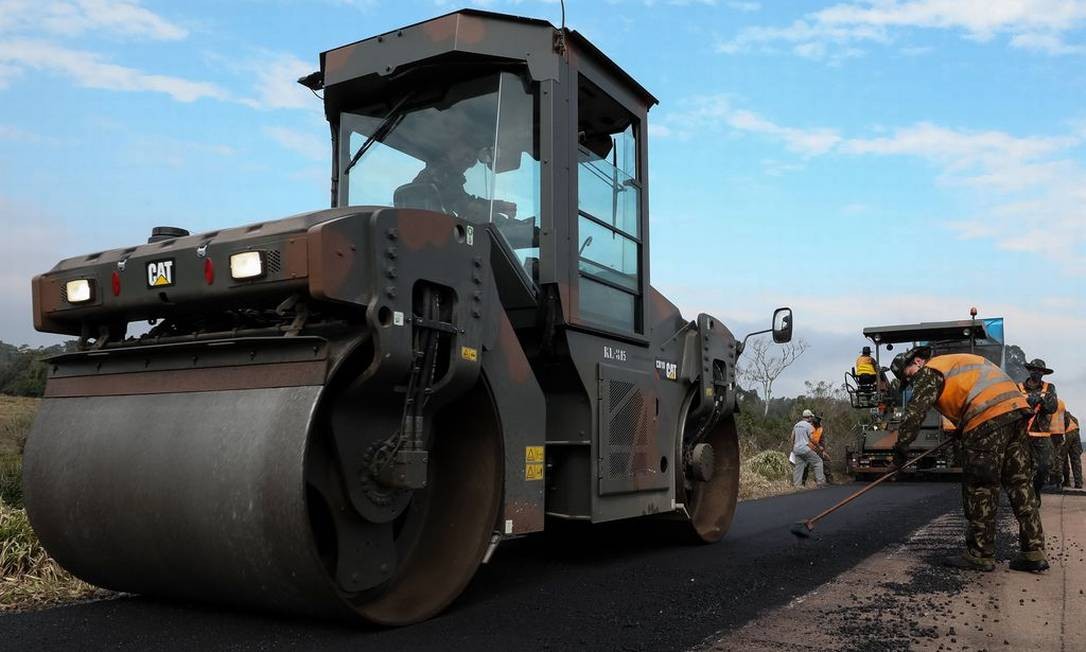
x: 342, y: 412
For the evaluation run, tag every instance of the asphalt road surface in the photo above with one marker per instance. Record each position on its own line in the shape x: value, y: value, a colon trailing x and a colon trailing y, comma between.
x: 614, y: 588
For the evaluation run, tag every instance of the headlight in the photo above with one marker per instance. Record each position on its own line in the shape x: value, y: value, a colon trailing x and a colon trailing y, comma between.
x: 246, y: 265
x: 80, y: 290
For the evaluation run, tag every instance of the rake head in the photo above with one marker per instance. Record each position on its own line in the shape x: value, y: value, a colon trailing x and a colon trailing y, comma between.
x: 801, y: 530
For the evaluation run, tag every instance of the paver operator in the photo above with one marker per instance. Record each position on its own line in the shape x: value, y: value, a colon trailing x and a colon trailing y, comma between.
x: 990, y: 414
x: 866, y: 369
x: 1043, y: 400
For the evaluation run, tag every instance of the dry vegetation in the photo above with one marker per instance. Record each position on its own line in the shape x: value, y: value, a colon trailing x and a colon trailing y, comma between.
x: 28, y: 577
x: 765, y: 474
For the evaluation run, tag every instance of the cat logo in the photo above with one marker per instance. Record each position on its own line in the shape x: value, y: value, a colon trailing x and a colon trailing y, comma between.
x: 160, y: 273
x: 670, y: 369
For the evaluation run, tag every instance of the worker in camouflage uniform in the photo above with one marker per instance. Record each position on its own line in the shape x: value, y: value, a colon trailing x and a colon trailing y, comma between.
x: 1059, y: 447
x: 1071, y: 459
x: 990, y: 413
x: 1044, y: 403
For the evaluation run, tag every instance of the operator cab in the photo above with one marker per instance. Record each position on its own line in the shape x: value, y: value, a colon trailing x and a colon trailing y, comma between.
x: 486, y: 117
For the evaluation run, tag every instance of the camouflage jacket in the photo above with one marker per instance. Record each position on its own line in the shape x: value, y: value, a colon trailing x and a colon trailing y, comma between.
x: 1048, y: 401
x: 927, y: 385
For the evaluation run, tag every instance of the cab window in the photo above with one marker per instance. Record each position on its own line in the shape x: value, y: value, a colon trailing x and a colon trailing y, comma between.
x: 609, y: 211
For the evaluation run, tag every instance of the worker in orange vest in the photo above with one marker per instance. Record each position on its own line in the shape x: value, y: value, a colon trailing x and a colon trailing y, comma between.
x: 1044, y: 403
x: 1072, y: 451
x: 990, y: 414
x: 1059, y: 442
x: 819, y: 447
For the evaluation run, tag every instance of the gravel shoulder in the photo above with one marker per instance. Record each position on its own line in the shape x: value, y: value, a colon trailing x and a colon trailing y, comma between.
x: 902, y: 599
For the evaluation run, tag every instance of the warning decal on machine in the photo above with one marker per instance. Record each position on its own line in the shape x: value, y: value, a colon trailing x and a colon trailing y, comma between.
x: 533, y: 462
x: 468, y: 353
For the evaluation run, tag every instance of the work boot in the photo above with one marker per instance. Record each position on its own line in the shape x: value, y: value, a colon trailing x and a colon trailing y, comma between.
x: 1020, y: 563
x: 969, y: 562
x: 1078, y: 485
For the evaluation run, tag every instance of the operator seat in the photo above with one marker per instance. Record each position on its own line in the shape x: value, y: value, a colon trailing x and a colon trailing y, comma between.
x: 423, y: 196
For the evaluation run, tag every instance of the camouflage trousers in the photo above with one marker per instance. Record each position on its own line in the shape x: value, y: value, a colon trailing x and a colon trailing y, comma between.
x: 1055, y: 469
x: 1000, y: 457
x: 1071, y: 459
x: 1041, y: 449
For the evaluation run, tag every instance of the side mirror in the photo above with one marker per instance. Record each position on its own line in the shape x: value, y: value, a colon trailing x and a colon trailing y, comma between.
x: 782, y: 325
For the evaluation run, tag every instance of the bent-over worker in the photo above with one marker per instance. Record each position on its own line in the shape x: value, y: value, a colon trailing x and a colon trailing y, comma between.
x: 990, y: 414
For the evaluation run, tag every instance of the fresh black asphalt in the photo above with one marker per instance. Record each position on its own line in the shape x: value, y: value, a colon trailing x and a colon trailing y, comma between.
x: 618, y: 587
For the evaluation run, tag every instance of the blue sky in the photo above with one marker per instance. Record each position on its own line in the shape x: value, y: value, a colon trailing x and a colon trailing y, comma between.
x: 866, y: 162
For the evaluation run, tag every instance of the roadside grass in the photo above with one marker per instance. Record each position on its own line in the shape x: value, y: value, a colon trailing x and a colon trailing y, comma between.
x: 763, y: 474
x: 29, y: 578
x: 16, y: 415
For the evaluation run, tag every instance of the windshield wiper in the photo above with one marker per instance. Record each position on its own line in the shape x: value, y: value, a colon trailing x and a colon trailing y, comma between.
x: 391, y: 120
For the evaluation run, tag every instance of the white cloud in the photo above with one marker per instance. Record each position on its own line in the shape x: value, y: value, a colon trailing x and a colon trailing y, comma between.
x: 1045, y: 42
x: 308, y: 145
x: 1037, y: 25
x: 91, y: 70
x: 1029, y: 191
x: 718, y: 111
x: 745, y: 6
x: 118, y: 17
x: 276, y: 85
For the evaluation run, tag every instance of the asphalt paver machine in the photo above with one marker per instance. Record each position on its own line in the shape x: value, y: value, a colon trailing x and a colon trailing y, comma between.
x: 872, y: 454
x: 342, y: 412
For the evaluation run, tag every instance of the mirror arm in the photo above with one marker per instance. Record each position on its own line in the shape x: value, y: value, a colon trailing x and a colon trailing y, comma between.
x: 743, y: 344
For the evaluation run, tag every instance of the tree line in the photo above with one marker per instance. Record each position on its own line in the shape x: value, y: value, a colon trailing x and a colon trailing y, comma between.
x: 23, y: 368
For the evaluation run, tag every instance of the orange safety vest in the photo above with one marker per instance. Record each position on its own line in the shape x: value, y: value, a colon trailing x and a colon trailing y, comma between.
x: 865, y: 364
x: 1052, y: 429
x: 816, y: 436
x: 1055, y: 425
x: 974, y: 390
x: 946, y: 424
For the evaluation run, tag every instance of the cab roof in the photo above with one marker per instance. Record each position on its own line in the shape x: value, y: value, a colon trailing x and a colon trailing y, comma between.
x: 470, y: 32
x: 926, y: 331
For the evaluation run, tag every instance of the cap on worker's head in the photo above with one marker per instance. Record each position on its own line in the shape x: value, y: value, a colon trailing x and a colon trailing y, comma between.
x: 807, y: 413
x: 1038, y: 364
x: 866, y: 350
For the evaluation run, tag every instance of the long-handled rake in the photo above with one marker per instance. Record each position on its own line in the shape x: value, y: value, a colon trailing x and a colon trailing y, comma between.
x: 803, y: 529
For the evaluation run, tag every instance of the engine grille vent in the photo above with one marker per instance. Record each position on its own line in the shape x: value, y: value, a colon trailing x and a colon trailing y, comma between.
x: 627, y: 448
x: 274, y: 260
